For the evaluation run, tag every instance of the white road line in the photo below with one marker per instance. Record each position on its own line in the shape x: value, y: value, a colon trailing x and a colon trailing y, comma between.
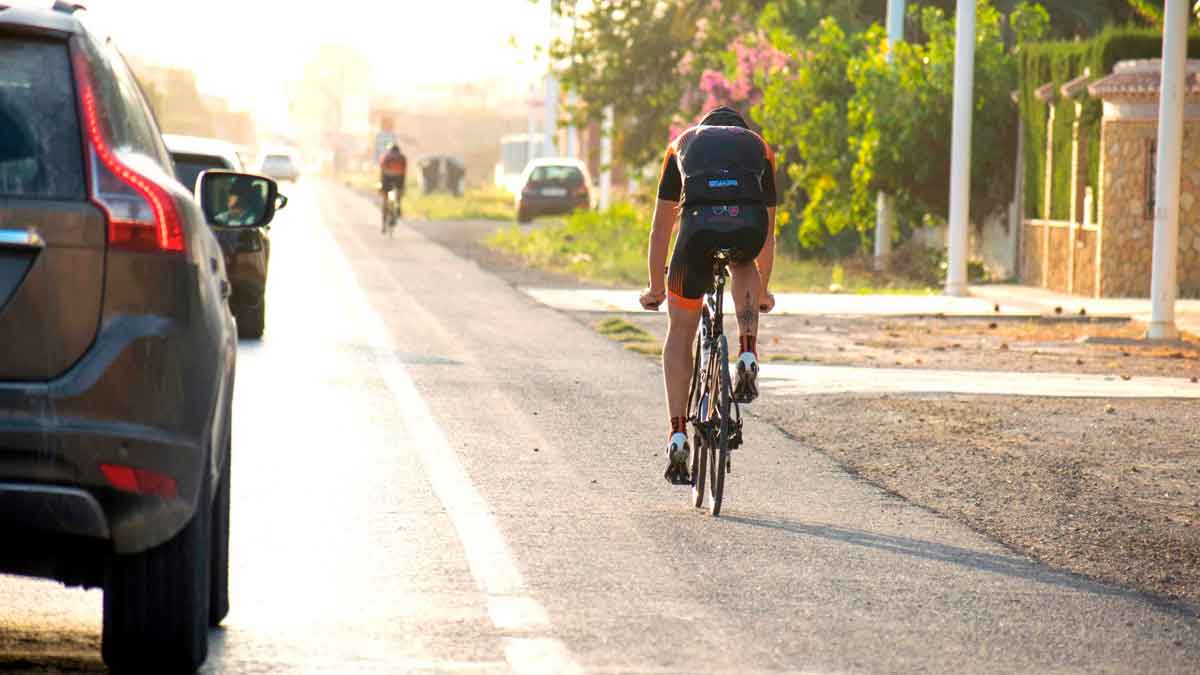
x: 487, y: 555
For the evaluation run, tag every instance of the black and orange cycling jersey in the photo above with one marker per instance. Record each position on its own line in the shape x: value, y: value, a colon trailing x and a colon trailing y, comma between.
x: 393, y: 170
x: 724, y: 179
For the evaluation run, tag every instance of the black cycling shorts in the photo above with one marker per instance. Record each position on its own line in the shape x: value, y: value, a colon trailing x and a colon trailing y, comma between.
x: 703, y: 230
x: 389, y: 182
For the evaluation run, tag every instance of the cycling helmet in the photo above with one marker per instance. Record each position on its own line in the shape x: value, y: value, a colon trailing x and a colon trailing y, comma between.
x: 724, y: 116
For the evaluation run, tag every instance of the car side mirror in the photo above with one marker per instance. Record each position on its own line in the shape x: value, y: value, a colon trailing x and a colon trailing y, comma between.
x: 232, y: 199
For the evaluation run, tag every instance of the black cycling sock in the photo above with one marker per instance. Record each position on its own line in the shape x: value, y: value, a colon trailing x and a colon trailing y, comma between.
x: 748, y: 343
x: 678, y: 425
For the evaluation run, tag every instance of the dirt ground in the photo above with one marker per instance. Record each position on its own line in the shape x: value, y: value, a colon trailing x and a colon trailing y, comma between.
x: 1105, y: 488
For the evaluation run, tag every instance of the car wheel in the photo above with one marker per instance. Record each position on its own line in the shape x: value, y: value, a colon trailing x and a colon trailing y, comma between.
x: 156, y: 602
x: 218, y: 598
x: 523, y: 216
x: 252, y: 321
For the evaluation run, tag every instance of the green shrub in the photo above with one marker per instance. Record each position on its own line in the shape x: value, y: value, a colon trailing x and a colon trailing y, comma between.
x: 1060, y: 62
x: 601, y: 245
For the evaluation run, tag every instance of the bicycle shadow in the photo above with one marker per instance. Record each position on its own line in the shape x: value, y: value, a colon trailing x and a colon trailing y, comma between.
x: 1008, y: 565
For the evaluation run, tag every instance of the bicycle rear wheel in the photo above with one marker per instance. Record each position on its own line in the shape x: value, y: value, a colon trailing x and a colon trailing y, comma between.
x: 696, y: 407
x: 386, y: 212
x: 718, y: 449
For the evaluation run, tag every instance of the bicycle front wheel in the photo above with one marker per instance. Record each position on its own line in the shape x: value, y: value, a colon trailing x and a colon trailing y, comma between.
x: 718, y: 449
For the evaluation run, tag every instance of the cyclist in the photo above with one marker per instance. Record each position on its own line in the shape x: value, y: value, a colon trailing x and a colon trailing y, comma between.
x: 718, y: 186
x: 393, y: 171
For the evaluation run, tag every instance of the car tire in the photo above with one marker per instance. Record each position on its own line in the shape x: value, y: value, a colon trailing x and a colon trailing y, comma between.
x: 252, y: 321
x: 218, y: 597
x: 523, y: 216
x: 156, y: 602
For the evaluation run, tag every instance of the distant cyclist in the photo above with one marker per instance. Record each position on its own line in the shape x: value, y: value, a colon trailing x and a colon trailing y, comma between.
x: 718, y: 185
x: 393, y: 171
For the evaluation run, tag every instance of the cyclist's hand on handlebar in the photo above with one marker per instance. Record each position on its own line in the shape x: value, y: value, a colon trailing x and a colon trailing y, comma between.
x: 766, y: 302
x: 652, y: 299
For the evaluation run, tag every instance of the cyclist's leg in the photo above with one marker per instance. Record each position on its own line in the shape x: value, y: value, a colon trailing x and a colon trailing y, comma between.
x: 688, y: 278
x: 746, y: 286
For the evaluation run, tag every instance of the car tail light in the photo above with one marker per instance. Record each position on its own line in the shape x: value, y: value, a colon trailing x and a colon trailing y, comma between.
x: 142, y: 216
x: 581, y: 191
x: 140, y: 481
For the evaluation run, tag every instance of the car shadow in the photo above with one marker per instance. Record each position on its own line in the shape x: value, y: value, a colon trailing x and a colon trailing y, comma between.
x: 1007, y: 565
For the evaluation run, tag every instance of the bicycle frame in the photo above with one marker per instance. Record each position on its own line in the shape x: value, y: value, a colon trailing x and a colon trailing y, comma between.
x: 712, y: 331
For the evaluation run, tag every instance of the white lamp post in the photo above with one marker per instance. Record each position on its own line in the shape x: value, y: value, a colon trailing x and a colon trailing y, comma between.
x: 960, y: 152
x: 1163, y: 283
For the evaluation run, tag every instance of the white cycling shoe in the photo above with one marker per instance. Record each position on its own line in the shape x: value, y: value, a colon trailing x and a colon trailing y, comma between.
x: 677, y: 458
x: 745, y: 382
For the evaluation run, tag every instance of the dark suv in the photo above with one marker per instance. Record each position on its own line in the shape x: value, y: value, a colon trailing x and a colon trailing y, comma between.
x: 247, y: 249
x: 118, y: 350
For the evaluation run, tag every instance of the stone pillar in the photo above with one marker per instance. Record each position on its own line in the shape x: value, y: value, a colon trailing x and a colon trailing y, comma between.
x: 1128, y: 146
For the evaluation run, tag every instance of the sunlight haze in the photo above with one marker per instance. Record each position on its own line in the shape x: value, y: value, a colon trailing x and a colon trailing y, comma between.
x: 251, y: 51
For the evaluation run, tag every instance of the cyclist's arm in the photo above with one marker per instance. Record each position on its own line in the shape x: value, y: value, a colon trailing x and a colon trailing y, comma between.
x: 766, y: 257
x: 666, y: 214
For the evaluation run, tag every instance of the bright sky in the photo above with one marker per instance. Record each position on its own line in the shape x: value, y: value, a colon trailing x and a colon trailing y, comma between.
x: 250, y: 50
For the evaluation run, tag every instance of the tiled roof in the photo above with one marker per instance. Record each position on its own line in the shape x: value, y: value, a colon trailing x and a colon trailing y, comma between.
x: 1076, y: 86
x: 1141, y: 80
x: 1046, y: 93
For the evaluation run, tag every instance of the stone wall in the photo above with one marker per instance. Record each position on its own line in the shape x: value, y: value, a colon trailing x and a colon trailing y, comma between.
x: 1128, y: 229
x: 1060, y: 258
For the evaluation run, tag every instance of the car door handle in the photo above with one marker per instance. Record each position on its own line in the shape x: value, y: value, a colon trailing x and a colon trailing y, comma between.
x: 21, y: 239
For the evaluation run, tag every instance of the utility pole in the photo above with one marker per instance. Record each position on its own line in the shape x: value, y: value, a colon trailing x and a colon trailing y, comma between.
x: 606, y: 158
x: 1163, y: 283
x: 885, y: 205
x: 572, y: 130
x: 960, y: 152
x: 550, y: 146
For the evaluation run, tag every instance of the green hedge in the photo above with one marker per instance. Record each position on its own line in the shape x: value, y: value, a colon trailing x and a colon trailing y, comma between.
x: 1059, y: 62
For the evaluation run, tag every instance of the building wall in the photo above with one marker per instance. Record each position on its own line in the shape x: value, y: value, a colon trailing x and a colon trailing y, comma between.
x: 1128, y: 225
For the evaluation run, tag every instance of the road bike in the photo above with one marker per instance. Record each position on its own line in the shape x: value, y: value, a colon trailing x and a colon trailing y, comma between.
x: 390, y: 210
x: 716, y: 418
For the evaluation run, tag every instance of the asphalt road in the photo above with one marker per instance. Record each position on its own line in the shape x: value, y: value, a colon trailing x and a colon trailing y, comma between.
x: 434, y: 473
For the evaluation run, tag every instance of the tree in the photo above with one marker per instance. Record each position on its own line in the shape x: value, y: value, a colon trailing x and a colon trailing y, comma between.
x: 804, y: 116
x: 638, y: 56
x: 852, y: 124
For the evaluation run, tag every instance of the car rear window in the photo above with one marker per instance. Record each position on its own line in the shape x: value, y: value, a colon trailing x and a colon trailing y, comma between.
x: 41, y: 154
x: 557, y: 174
x: 278, y: 161
x: 189, y: 167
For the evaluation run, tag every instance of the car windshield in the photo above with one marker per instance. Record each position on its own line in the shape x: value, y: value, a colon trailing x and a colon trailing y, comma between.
x: 569, y: 175
x: 189, y: 167
x: 277, y: 162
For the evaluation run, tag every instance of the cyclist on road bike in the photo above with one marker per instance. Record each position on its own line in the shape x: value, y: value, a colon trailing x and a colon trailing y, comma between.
x: 718, y: 185
x: 393, y: 170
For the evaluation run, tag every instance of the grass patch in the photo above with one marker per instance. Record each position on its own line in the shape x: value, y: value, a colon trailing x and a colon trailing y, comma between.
x: 488, y: 203
x: 480, y: 203
x: 632, y: 337
x: 606, y: 246
x: 619, y: 329
x: 610, y: 247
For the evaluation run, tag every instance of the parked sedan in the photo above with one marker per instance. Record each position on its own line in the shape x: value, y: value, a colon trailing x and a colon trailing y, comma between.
x: 280, y: 166
x: 119, y: 350
x: 247, y: 249
x: 553, y: 186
